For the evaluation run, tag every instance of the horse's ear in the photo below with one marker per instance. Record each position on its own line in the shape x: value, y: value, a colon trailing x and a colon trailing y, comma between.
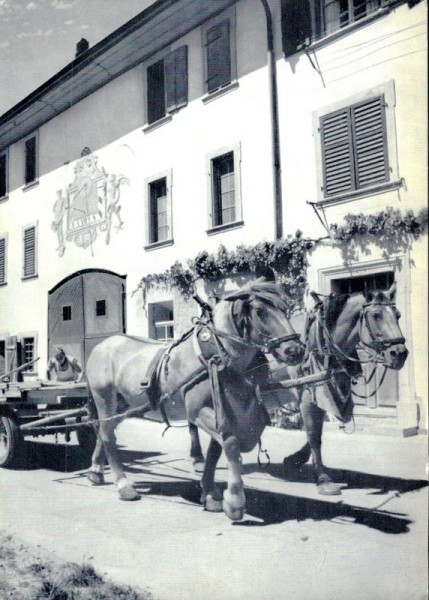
x: 369, y: 296
x: 392, y: 292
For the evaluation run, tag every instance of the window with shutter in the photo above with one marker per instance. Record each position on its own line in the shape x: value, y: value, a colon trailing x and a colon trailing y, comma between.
x: 167, y: 84
x: 29, y: 252
x: 218, y: 56
x: 2, y: 260
x: 306, y: 21
x: 3, y: 175
x: 354, y: 147
x: 30, y: 160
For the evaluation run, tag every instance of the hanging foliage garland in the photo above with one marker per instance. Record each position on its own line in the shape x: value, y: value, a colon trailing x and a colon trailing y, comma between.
x: 286, y: 260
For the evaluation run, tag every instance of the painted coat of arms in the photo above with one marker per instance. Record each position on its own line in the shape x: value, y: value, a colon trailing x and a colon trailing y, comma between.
x: 88, y: 205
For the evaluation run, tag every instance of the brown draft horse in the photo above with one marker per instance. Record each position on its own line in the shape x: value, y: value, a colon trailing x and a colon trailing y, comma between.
x: 339, y: 326
x: 213, y: 370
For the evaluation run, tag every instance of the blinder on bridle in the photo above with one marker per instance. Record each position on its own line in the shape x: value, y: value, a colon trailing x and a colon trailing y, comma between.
x: 246, y: 298
x: 376, y: 343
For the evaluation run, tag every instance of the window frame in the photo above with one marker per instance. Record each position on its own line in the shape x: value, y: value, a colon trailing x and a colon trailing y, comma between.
x: 33, y: 371
x: 5, y: 153
x: 4, y: 237
x: 25, y: 228
x: 149, y: 182
x: 211, y: 200
x: 168, y: 111
x: 30, y: 184
x: 394, y: 181
x: 230, y: 16
x: 152, y: 324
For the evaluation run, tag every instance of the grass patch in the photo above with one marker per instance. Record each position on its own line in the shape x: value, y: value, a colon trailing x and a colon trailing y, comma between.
x: 27, y: 574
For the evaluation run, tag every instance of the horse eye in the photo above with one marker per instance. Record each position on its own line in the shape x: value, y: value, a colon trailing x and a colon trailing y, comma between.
x: 376, y: 315
x: 398, y: 314
x: 261, y: 313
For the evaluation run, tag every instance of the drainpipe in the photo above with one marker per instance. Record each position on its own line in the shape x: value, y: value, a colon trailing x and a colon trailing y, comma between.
x: 278, y: 208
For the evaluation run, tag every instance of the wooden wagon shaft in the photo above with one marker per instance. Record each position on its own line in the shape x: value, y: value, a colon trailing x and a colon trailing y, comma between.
x: 76, y: 412
x: 306, y: 379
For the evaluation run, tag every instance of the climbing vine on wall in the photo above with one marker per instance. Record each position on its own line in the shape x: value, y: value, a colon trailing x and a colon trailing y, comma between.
x: 286, y: 259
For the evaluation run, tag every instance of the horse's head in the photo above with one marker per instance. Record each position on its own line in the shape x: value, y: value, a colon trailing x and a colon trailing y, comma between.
x: 259, y: 313
x: 379, y: 328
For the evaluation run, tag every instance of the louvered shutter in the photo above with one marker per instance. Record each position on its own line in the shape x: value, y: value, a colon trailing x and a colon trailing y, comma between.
x: 29, y: 251
x: 370, y: 142
x: 176, y: 79
x: 155, y: 92
x: 337, y: 152
x: 2, y: 260
x: 30, y: 160
x: 3, y: 175
x: 298, y: 24
x: 218, y: 56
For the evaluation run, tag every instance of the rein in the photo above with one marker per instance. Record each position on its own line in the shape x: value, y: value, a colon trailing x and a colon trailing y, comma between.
x: 377, y: 345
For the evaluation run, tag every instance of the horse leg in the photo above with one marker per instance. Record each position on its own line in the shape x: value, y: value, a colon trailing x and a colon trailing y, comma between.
x: 234, y: 499
x: 211, y: 497
x: 313, y: 418
x: 98, y: 461
x: 196, y: 450
x: 106, y: 408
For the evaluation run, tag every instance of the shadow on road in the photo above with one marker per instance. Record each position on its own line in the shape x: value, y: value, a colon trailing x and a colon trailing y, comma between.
x: 268, y: 507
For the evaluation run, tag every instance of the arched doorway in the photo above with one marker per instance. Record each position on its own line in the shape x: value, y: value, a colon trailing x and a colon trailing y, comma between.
x: 84, y: 309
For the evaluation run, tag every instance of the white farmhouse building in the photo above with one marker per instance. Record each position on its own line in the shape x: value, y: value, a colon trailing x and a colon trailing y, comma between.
x: 203, y: 123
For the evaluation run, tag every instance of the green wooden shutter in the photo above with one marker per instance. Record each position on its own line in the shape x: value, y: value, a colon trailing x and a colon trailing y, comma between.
x: 218, y: 56
x: 30, y: 160
x: 3, y: 175
x: 176, y: 79
x: 2, y: 260
x: 29, y: 251
x: 155, y: 91
x: 298, y: 20
x: 337, y: 153
x: 370, y: 142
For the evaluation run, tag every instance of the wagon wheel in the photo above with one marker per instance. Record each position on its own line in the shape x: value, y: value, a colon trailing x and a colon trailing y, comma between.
x: 11, y: 443
x: 87, y: 438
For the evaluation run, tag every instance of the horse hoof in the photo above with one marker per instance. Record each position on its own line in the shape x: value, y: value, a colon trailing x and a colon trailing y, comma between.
x: 212, y: 504
x: 232, y: 512
x: 95, y: 478
x: 199, y: 465
x: 328, y: 488
x: 128, y: 493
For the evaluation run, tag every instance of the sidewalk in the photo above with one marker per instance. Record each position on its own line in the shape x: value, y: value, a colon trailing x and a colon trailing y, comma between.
x: 370, y: 542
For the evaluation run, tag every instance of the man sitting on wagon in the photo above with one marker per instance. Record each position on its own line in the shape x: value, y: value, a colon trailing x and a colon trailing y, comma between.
x: 64, y: 367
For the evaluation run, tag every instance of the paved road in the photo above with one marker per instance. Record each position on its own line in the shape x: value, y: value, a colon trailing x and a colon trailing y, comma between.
x: 292, y: 543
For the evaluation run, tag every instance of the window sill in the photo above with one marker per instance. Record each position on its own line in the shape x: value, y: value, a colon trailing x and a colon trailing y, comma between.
x: 156, y: 245
x: 151, y: 126
x: 28, y: 277
x: 4, y: 198
x: 224, y: 227
x: 220, y: 92
x: 30, y: 186
x: 3, y: 283
x: 363, y: 193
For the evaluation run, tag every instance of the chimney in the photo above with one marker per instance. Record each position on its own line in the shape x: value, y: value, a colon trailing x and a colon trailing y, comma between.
x: 81, y: 47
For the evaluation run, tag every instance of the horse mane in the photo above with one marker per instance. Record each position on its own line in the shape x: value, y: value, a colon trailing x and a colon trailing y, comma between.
x: 333, y: 306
